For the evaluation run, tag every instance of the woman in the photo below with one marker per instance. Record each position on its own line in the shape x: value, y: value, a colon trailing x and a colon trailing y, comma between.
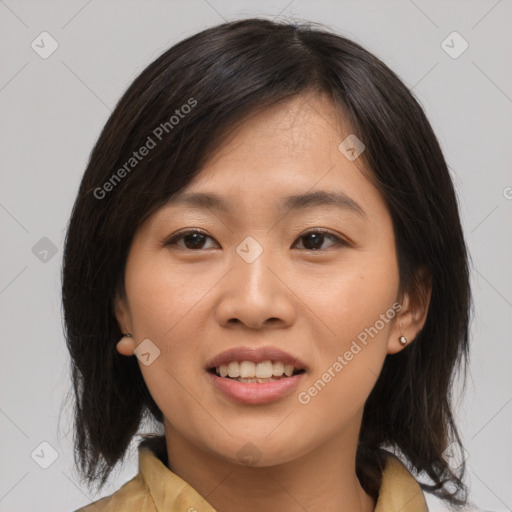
x: 266, y: 258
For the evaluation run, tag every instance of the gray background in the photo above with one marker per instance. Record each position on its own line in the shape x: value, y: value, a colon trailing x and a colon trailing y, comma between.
x: 52, y: 111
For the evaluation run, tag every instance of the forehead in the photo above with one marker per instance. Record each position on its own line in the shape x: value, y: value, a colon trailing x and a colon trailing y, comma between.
x: 284, y: 158
x: 292, y: 127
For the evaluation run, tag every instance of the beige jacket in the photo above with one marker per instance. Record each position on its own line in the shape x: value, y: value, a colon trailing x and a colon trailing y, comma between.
x: 157, y: 489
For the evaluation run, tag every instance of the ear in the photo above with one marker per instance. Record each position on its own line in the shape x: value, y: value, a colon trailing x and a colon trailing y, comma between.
x: 413, y: 312
x: 126, y: 345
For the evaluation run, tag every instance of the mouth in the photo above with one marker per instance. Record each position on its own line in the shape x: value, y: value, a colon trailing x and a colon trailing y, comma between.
x: 247, y: 382
x: 250, y: 375
x: 251, y: 372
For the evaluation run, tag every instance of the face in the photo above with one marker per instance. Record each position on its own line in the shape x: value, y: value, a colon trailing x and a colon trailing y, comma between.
x: 317, y: 280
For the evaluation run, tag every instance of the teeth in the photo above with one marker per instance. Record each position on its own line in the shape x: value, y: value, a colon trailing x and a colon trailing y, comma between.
x: 277, y: 368
x: 255, y: 379
x: 248, y: 371
x: 264, y: 369
x: 234, y: 369
x: 288, y: 369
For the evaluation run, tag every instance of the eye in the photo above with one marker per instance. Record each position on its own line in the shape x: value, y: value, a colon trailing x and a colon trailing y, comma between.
x: 195, y: 238
x: 314, y: 240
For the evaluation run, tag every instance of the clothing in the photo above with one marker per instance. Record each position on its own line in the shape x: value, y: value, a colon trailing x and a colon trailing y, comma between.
x: 157, y: 489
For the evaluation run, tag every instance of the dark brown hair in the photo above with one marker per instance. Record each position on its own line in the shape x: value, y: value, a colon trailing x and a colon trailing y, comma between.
x: 224, y: 74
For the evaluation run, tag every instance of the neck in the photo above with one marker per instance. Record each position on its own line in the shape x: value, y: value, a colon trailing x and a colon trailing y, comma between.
x: 321, y: 480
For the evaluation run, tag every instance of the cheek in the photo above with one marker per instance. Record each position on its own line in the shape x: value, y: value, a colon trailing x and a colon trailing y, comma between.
x: 352, y: 355
x: 354, y: 299
x: 358, y: 309
x: 163, y: 295
x: 164, y: 302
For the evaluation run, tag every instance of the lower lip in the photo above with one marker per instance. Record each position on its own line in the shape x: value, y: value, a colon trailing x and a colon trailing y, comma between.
x: 256, y: 392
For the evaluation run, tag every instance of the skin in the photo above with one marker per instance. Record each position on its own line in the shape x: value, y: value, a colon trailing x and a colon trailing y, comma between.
x: 195, y: 303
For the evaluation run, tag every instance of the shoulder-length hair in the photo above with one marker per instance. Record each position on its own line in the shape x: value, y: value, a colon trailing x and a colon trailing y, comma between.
x: 180, y: 108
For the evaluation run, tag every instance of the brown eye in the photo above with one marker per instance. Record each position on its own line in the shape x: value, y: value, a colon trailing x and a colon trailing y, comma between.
x: 315, y: 239
x: 192, y: 239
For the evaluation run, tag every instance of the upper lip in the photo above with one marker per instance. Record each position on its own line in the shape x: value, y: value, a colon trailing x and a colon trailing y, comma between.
x: 257, y: 355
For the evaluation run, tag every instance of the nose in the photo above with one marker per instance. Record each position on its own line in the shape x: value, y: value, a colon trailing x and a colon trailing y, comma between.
x: 256, y: 294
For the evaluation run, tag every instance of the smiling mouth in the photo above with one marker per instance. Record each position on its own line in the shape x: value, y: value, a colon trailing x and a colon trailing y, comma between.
x: 249, y: 372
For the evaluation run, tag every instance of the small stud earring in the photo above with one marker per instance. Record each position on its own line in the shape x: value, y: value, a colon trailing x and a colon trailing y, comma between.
x: 403, y: 340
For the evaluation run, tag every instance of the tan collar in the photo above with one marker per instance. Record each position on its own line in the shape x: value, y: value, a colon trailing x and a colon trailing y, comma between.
x: 399, y: 491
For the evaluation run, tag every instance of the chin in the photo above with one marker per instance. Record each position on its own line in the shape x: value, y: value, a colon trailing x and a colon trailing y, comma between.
x: 259, y: 451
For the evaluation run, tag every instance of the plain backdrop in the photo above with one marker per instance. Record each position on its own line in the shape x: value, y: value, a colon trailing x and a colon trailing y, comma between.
x: 52, y: 111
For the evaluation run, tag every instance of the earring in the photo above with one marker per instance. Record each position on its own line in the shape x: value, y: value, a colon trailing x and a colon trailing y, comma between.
x: 403, y: 340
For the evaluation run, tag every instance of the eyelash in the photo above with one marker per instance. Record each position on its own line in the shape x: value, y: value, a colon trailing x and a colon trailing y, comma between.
x: 328, y: 234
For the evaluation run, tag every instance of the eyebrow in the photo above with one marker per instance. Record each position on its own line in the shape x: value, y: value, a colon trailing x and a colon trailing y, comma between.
x: 294, y: 202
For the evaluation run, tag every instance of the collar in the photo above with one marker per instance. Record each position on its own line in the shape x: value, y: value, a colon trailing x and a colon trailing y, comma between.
x: 399, y: 491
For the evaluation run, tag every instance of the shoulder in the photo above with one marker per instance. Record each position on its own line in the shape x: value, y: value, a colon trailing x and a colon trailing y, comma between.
x: 133, y: 496
x: 401, y: 490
